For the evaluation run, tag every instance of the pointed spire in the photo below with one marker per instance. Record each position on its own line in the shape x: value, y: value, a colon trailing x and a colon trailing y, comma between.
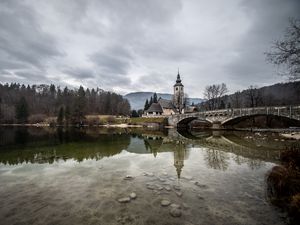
x: 178, y: 77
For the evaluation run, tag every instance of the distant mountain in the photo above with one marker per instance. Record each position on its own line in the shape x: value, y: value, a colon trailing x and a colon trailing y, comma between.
x: 137, y: 99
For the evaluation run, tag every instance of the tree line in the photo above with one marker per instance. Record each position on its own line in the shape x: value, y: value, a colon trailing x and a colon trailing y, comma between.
x: 20, y: 103
x: 274, y: 95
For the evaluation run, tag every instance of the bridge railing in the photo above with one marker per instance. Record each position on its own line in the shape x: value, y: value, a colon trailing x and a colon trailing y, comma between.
x: 287, y: 111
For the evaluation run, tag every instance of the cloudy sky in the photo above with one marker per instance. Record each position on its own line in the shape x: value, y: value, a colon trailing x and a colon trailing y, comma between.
x: 134, y: 45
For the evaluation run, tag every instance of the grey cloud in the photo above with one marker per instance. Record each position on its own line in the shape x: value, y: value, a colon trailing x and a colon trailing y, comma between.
x: 113, y: 60
x: 107, y: 43
x: 269, y: 19
x: 21, y: 38
x: 80, y: 73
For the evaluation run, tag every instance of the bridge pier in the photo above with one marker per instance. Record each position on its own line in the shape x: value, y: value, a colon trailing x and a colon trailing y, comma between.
x: 216, y: 125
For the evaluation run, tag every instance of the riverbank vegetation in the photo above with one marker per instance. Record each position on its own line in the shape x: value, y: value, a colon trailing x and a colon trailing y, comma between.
x: 283, y: 183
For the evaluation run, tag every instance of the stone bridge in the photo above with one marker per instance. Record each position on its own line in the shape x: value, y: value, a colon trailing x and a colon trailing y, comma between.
x: 220, y: 118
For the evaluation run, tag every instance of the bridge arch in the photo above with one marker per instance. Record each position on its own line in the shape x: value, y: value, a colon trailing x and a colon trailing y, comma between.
x: 185, y: 121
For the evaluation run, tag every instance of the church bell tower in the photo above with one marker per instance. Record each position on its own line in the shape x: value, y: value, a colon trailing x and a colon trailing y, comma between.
x: 178, y: 97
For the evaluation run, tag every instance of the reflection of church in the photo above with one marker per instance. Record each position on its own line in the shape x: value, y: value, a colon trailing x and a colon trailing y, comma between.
x: 154, y: 143
x: 180, y: 155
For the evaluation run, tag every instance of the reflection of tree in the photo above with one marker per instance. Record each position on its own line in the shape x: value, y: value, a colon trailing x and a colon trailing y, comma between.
x: 217, y: 159
x: 75, y: 144
x: 153, y: 143
x: 21, y: 136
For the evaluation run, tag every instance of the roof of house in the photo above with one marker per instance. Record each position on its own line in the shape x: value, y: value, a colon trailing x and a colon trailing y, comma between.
x: 166, y: 104
x: 155, y: 107
x: 191, y: 109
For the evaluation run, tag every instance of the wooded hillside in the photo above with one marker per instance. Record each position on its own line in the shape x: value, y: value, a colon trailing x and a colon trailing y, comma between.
x: 274, y: 95
x: 20, y: 103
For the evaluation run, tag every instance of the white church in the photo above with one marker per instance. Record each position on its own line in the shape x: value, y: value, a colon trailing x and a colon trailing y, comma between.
x: 166, y: 107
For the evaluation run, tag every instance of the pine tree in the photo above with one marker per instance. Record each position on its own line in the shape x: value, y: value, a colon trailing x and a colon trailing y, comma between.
x: 60, y: 117
x: 146, y: 105
x: 79, y: 109
x: 134, y: 113
x: 67, y: 115
x: 155, y: 98
x: 22, y: 111
x: 151, y: 101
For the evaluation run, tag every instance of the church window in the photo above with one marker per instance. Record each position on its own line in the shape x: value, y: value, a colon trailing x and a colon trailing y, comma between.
x: 176, y: 89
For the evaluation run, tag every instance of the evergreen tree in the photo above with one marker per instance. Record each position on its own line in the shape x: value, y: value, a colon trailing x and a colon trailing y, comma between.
x: 151, y: 101
x: 67, y: 115
x: 146, y: 105
x: 155, y: 98
x: 60, y: 116
x: 22, y: 111
x: 134, y: 113
x: 78, y: 114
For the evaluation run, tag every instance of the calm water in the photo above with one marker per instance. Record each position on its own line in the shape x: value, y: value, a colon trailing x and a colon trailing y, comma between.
x: 50, y: 176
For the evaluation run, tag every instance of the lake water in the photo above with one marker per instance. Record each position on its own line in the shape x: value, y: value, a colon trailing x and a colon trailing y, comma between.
x: 79, y: 176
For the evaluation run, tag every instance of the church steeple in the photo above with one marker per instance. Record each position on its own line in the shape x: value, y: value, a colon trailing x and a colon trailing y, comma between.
x: 178, y: 97
x: 178, y: 80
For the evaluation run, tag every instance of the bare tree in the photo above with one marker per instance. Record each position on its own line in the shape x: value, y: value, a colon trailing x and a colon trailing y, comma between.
x: 236, y: 99
x: 186, y: 100
x: 213, y: 94
x: 254, y: 96
x: 286, y: 52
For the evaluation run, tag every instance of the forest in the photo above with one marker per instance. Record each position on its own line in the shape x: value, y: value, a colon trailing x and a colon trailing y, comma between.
x: 33, y: 104
x: 281, y: 94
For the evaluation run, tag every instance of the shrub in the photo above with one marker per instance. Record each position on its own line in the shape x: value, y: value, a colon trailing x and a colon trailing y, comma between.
x: 37, y: 118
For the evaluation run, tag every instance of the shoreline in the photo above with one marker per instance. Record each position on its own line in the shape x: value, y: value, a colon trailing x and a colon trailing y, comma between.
x: 294, y: 133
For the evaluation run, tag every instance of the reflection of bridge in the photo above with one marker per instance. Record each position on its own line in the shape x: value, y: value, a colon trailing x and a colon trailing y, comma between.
x: 219, y: 118
x: 230, y: 143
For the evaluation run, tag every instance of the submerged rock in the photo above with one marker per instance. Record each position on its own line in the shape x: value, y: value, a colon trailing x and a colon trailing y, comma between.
x: 162, y: 179
x: 150, y: 186
x: 200, y: 185
x: 132, y: 195
x: 124, y: 200
x: 187, y: 177
x: 167, y: 188
x: 178, y: 193
x: 159, y: 187
x: 148, y: 174
x: 128, y: 177
x: 175, y: 206
x: 175, y: 212
x: 165, y: 202
x: 200, y: 197
x: 177, y: 187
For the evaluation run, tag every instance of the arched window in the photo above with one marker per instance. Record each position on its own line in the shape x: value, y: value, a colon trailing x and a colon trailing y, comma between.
x: 177, y: 89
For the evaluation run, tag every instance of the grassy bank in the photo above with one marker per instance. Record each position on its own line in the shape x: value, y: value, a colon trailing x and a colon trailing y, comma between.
x: 101, y: 120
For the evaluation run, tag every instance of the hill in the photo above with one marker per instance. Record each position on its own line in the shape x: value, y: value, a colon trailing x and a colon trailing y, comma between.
x: 137, y: 99
x: 274, y: 95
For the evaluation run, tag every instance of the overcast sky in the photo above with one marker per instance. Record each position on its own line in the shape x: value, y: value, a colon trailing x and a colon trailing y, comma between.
x: 134, y: 45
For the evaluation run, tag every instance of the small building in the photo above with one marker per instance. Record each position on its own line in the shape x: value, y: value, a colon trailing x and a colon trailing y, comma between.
x: 154, y: 110
x: 167, y: 107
